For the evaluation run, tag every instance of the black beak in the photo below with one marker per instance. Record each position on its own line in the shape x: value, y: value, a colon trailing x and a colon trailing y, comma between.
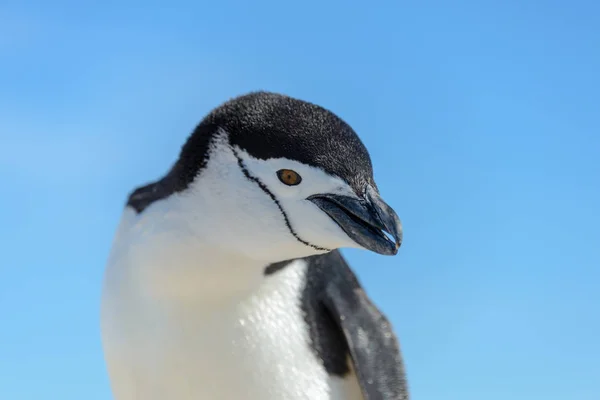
x: 365, y: 220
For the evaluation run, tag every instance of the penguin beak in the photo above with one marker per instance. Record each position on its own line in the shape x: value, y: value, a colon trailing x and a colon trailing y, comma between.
x: 365, y: 220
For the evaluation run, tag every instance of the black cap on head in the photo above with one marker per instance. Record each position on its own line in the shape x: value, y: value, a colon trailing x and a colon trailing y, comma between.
x: 270, y: 125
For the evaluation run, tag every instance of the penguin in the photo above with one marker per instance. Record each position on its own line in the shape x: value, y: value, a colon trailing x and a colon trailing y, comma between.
x: 225, y: 278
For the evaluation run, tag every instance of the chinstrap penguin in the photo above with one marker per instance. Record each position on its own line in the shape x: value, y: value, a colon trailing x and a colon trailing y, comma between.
x: 225, y: 280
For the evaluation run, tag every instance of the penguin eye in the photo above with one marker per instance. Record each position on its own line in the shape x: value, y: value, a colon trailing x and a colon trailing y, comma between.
x: 289, y: 177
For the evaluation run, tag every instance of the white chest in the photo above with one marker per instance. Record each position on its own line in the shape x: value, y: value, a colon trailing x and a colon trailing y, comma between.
x: 257, y: 348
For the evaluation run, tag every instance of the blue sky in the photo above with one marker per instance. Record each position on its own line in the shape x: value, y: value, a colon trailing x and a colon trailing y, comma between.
x: 481, y: 118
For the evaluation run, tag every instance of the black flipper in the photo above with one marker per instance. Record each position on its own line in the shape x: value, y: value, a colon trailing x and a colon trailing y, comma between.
x: 342, y: 320
x: 372, y: 344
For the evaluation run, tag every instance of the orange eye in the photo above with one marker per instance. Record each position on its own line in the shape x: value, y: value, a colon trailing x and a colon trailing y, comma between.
x: 289, y: 177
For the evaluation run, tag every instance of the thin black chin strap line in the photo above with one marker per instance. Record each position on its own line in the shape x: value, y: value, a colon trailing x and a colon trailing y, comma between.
x: 272, y: 196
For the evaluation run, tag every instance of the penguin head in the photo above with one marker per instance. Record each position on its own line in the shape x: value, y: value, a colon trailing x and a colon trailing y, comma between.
x: 272, y: 178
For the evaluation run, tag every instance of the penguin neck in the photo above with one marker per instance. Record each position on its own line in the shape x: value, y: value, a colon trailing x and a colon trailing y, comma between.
x: 168, y: 262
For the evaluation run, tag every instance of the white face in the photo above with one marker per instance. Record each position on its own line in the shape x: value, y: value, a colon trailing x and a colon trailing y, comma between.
x: 249, y: 210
